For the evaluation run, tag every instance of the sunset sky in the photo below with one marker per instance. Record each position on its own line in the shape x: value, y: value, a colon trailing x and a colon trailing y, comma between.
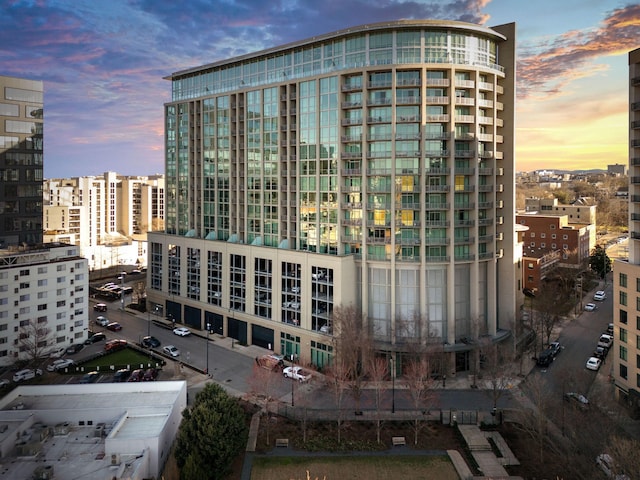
x: 102, y: 63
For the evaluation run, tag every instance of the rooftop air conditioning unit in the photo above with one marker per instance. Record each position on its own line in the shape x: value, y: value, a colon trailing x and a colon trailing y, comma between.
x: 115, y: 459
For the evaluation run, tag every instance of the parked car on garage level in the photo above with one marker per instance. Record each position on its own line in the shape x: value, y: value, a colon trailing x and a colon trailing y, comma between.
x: 136, y: 375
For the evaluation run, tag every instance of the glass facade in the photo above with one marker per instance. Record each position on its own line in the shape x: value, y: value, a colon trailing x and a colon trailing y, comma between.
x: 21, y: 161
x: 385, y: 145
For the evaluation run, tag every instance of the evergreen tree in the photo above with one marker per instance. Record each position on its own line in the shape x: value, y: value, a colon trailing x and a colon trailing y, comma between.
x: 212, y: 434
x: 599, y: 261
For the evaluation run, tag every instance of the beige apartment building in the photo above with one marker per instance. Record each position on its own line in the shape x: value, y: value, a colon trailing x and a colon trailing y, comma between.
x: 107, y: 216
x: 626, y: 274
x: 372, y: 167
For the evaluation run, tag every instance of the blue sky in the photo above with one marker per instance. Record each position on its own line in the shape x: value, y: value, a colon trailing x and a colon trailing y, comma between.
x: 102, y: 63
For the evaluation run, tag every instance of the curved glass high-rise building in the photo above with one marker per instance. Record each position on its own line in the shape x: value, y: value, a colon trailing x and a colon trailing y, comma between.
x: 373, y: 166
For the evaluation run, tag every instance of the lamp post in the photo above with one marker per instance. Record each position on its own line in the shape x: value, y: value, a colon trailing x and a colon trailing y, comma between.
x: 293, y: 381
x: 122, y: 290
x: 208, y: 328
x: 393, y: 387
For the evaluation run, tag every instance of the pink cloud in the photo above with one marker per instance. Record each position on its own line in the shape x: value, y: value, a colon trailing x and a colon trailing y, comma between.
x: 567, y: 58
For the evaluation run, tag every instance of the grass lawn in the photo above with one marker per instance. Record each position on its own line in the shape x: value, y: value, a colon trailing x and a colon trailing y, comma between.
x: 121, y: 359
x: 358, y: 467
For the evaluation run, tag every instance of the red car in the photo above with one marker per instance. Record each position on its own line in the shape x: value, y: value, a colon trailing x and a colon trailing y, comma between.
x: 113, y: 345
x: 150, y: 375
x: 114, y: 327
x: 136, y: 375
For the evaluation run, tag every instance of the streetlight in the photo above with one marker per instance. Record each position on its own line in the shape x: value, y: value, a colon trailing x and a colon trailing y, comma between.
x: 208, y: 328
x: 122, y: 289
x: 393, y: 387
x: 293, y: 381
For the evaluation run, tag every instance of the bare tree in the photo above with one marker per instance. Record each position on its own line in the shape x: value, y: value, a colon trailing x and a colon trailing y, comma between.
x: 378, y: 372
x: 353, y: 345
x: 338, y: 380
x: 420, y: 384
x: 495, y: 370
x: 263, y: 384
x: 533, y: 421
x: 35, y: 340
x: 624, y: 452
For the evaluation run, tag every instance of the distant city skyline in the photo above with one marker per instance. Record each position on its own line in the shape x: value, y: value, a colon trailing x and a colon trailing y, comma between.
x: 103, y: 65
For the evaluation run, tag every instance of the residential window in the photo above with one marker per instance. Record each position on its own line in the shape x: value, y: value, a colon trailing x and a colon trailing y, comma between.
x: 623, y: 371
x: 637, y: 361
x: 623, y: 298
x: 623, y: 335
x: 638, y: 284
x: 623, y: 353
x: 623, y: 280
x: 623, y: 316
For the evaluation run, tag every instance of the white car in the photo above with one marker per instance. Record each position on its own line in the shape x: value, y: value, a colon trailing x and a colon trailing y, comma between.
x: 297, y: 373
x: 182, y: 331
x: 102, y: 321
x: 57, y: 352
x: 171, y: 350
x: 4, y: 382
x: 589, y: 307
x: 593, y: 363
x: 60, y: 365
x: 26, y: 374
x: 599, y: 296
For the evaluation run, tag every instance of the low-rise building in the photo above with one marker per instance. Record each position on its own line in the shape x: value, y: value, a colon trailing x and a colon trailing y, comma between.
x: 96, y: 431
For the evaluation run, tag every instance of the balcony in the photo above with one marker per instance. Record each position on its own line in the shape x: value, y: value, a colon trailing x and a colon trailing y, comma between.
x: 437, y: 100
x: 465, y: 101
x: 437, y: 206
x: 378, y: 101
x: 437, y: 82
x: 351, y: 104
x: 407, y: 100
x: 436, y: 223
x: 437, y: 241
x: 437, y: 188
x: 385, y: 119
x: 351, y: 87
x: 430, y: 259
x: 437, y: 171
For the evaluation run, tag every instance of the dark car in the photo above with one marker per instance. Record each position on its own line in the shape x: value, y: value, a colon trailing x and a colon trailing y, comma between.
x: 136, y: 375
x: 122, y: 375
x: 114, y: 327
x: 150, y: 342
x: 96, y: 337
x: 74, y: 348
x: 90, y: 377
x: 555, y: 347
x: 545, y: 358
x: 150, y: 374
x: 600, y: 352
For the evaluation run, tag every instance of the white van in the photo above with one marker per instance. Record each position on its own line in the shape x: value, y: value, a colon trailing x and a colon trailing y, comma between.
x: 26, y: 374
